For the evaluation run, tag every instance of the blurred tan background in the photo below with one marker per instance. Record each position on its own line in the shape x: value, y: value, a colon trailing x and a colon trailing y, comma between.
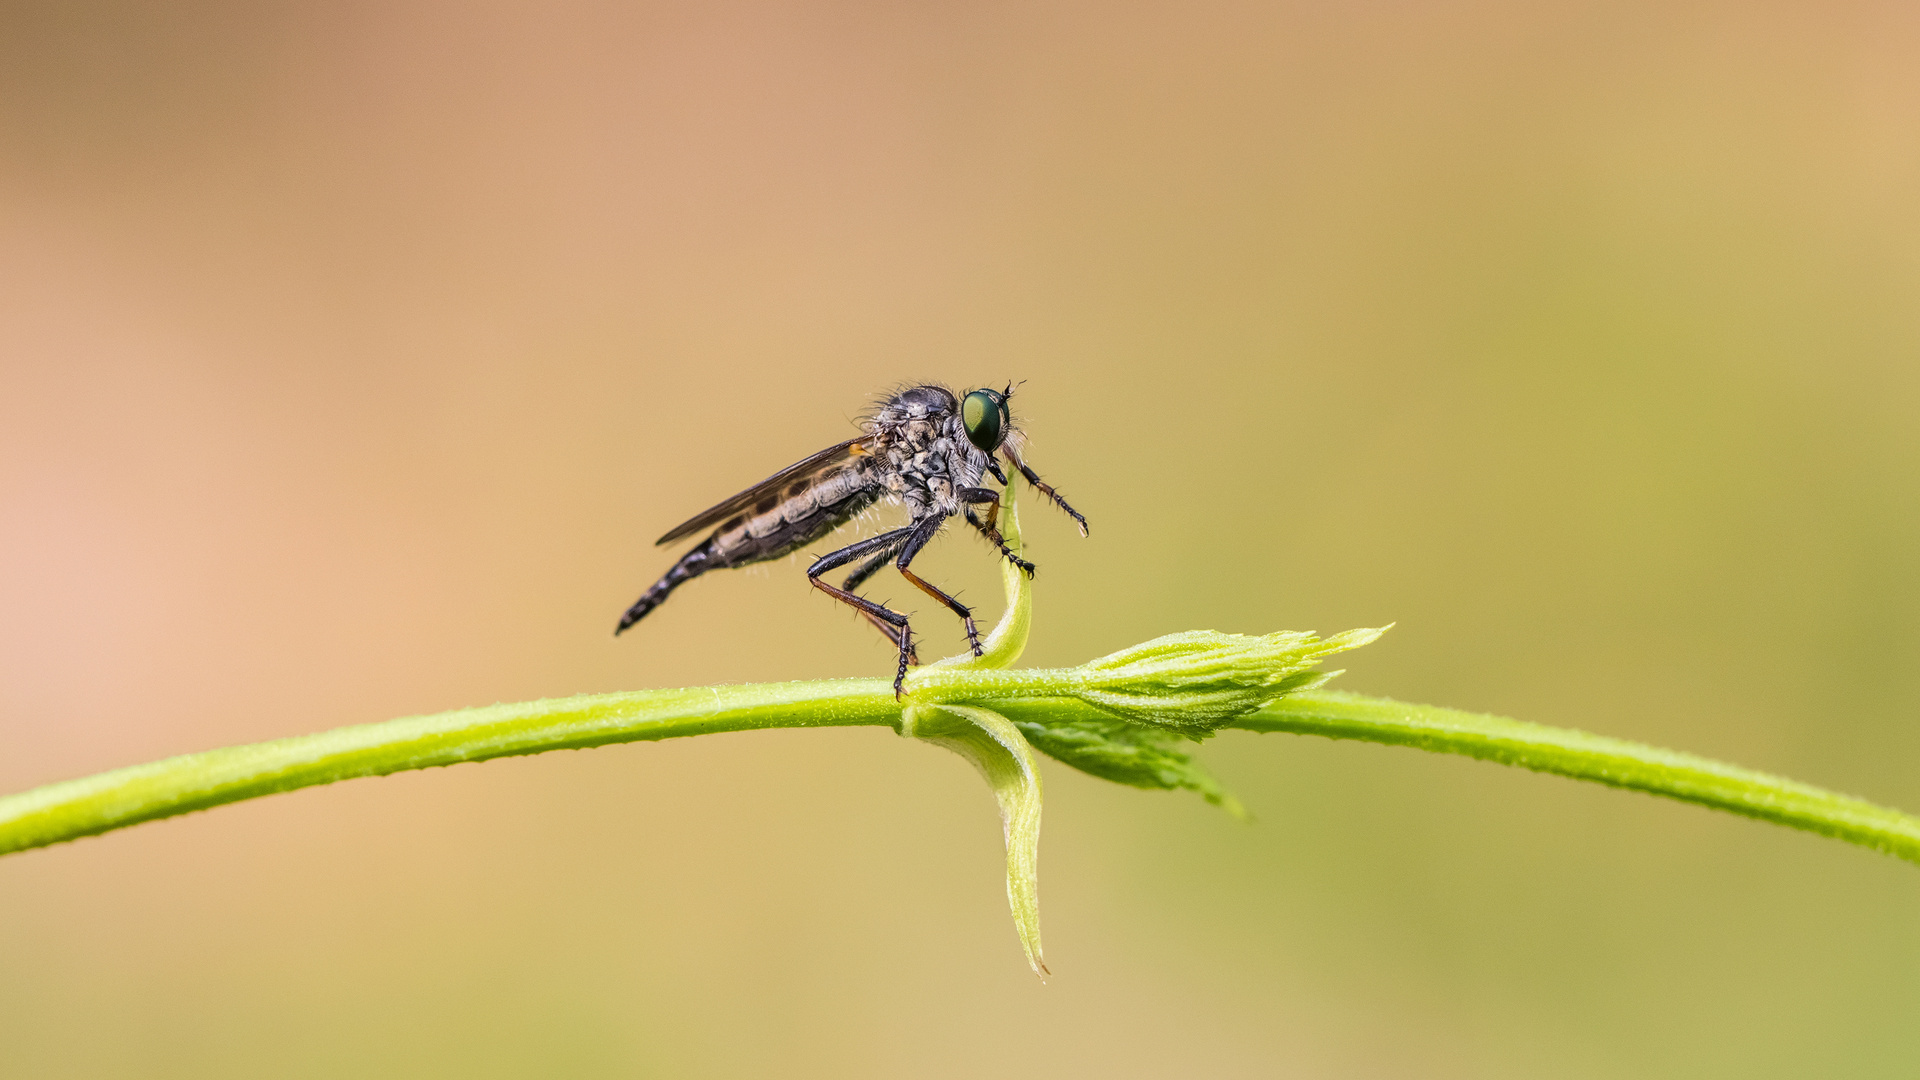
x: 351, y: 358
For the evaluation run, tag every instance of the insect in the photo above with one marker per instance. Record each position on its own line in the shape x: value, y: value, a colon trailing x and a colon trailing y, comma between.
x: 922, y: 447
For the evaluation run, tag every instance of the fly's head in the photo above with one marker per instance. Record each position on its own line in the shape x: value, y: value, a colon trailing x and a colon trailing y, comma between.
x: 988, y: 424
x: 986, y: 419
x: 963, y: 432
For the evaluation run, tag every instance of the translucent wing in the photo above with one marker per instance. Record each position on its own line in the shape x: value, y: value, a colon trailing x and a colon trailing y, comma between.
x: 770, y: 488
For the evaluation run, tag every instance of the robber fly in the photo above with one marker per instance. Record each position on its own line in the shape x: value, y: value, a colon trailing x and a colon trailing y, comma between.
x: 923, y: 448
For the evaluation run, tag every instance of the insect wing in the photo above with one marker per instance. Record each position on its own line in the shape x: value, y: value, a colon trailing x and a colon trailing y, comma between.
x: 771, y: 487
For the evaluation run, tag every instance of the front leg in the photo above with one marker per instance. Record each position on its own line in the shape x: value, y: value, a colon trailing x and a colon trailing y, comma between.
x: 988, y: 495
x: 1045, y: 488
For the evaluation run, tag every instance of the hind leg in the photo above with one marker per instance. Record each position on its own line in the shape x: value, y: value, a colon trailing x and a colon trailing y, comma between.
x: 859, y: 577
x: 895, y: 624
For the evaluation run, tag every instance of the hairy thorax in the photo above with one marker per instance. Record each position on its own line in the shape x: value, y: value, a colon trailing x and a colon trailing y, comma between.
x: 923, y: 451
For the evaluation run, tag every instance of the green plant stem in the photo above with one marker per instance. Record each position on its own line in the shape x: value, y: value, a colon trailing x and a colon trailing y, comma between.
x: 1614, y: 762
x: 114, y: 800
x: 179, y: 785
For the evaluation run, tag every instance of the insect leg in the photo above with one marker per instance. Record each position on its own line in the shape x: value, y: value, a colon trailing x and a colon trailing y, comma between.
x: 859, y: 577
x: 923, y: 532
x: 875, y: 613
x: 987, y: 529
x: 871, y: 566
x: 1045, y: 488
x: 893, y: 634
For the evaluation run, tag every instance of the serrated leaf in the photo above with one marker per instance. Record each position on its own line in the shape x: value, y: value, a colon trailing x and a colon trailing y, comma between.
x: 1131, y: 754
x: 1198, y: 680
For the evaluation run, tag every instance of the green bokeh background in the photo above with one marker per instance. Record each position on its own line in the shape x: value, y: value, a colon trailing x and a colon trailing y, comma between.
x: 352, y: 356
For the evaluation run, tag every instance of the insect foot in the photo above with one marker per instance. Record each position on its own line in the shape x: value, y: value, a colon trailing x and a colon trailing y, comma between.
x: 907, y: 654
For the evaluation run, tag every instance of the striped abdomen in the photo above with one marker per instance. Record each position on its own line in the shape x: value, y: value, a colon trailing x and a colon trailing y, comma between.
x: 781, y: 521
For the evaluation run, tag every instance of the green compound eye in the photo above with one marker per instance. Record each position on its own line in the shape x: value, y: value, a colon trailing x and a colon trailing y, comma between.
x: 984, y: 414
